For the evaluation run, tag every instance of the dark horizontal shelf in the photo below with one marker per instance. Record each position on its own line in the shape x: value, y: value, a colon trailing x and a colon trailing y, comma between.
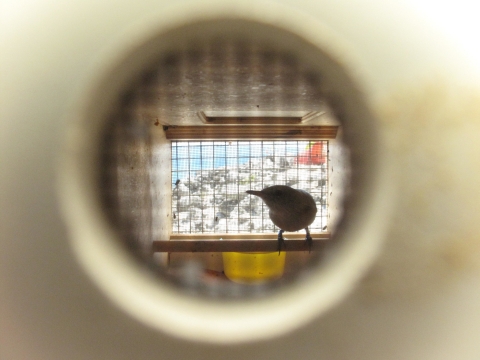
x: 250, y: 132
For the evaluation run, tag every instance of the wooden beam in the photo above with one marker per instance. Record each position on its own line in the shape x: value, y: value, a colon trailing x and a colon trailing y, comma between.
x: 251, y: 120
x: 250, y: 132
x: 252, y: 245
x: 300, y: 235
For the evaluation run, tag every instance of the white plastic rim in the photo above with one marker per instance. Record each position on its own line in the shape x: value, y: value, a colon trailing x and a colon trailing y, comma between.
x: 157, y: 304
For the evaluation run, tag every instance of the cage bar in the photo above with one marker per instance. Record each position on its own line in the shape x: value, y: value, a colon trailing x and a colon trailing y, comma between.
x: 208, y: 187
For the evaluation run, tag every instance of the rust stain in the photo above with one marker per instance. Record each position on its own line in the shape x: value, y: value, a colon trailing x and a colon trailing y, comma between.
x: 435, y: 237
x: 461, y: 253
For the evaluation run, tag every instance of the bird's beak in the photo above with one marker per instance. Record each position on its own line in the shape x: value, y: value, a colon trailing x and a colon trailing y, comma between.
x: 254, y: 192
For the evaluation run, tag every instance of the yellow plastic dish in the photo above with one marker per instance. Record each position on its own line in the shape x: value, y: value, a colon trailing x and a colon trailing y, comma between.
x: 251, y: 268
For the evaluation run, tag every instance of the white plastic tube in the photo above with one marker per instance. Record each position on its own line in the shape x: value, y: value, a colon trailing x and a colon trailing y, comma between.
x: 415, y: 297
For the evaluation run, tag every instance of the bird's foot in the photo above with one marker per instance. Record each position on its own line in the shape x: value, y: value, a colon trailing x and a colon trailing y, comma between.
x: 309, y: 240
x: 281, y: 241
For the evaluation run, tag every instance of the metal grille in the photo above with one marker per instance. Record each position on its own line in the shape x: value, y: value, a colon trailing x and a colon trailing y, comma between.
x: 209, y: 180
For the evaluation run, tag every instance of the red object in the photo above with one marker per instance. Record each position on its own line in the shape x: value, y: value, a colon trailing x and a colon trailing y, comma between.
x: 312, y: 156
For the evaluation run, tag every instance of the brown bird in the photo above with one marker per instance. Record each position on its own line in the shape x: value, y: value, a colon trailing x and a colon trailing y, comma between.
x: 290, y: 209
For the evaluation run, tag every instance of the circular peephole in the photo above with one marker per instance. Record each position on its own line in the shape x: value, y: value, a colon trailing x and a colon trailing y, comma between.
x: 193, y: 134
x: 175, y: 151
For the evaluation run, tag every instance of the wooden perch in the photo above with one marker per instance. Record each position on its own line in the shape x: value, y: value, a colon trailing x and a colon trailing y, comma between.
x: 258, y: 244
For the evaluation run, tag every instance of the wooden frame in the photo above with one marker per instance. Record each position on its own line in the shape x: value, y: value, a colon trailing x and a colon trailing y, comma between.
x: 250, y: 132
x: 237, y: 242
x: 228, y: 128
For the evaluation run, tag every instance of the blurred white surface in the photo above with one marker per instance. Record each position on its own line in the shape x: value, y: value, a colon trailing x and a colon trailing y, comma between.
x: 419, y: 63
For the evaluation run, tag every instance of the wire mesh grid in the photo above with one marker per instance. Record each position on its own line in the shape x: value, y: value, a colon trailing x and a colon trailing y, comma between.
x: 209, y: 180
